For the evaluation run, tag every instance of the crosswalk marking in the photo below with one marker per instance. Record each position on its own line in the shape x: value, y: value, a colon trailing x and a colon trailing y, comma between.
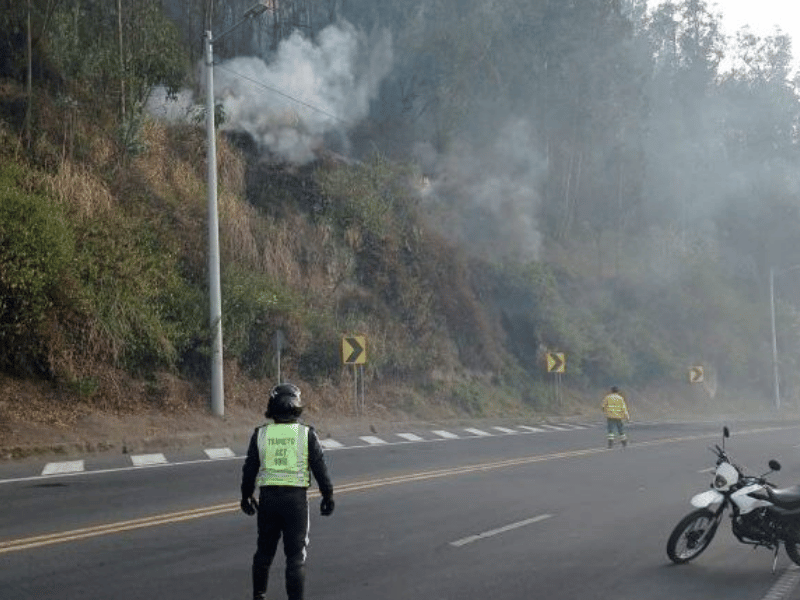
x: 144, y: 460
x: 479, y: 432
x: 553, y: 427
x: 217, y: 453
x: 328, y: 444
x: 371, y: 439
x: 411, y: 437
x: 67, y: 466
x: 504, y: 430
x: 445, y: 434
x: 534, y: 429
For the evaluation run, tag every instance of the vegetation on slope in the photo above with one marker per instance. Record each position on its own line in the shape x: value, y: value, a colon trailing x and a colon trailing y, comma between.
x: 103, y: 296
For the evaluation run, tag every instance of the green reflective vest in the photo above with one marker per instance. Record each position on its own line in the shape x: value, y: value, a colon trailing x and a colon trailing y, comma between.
x: 283, y: 449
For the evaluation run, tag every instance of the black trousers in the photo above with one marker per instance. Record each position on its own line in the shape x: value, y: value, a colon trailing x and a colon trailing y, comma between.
x: 282, y: 512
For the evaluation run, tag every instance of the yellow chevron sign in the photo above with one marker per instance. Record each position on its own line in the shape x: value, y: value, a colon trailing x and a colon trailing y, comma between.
x: 556, y: 362
x: 354, y: 350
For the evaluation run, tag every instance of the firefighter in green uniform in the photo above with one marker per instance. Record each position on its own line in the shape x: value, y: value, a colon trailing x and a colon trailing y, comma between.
x: 616, y: 411
x: 280, y: 459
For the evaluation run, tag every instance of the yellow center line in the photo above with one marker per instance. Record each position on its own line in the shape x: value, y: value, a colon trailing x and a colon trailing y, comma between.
x: 357, y: 486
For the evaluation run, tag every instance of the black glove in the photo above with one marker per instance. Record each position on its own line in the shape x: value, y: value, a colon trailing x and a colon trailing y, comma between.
x: 249, y: 506
x: 326, y: 507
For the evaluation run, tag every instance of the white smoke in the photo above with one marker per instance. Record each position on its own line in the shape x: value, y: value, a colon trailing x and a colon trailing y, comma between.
x: 173, y: 109
x: 495, y: 191
x: 311, y: 88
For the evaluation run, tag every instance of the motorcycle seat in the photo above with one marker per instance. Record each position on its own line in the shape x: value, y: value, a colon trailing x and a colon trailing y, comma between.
x: 788, y: 498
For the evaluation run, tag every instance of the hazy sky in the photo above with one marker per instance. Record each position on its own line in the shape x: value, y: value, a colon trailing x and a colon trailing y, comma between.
x: 761, y: 15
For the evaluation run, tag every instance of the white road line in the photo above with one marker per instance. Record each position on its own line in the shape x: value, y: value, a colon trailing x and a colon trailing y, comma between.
x: 217, y: 453
x: 445, y: 434
x: 529, y: 428
x: 371, y: 439
x: 505, y: 430
x: 553, y: 427
x: 144, y: 460
x: 328, y: 444
x: 491, y: 532
x: 67, y: 466
x: 479, y: 432
x: 411, y: 437
x: 785, y: 585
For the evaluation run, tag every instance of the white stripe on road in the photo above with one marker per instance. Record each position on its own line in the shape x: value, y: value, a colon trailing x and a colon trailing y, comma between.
x: 67, y: 466
x: 411, y: 437
x: 785, y: 585
x: 490, y: 533
x: 534, y: 429
x: 445, y: 434
x: 504, y: 430
x: 328, y: 444
x: 371, y: 439
x: 144, y: 460
x: 217, y: 453
x: 479, y: 432
x: 553, y: 427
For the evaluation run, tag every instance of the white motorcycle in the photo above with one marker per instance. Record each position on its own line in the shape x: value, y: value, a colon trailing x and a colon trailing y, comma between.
x: 761, y: 515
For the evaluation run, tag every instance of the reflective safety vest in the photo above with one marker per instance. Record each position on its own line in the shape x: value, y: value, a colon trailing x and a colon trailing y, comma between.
x: 614, y: 407
x: 283, y: 450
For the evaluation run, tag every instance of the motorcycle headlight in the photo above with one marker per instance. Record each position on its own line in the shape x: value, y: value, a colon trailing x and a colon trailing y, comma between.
x: 720, y: 482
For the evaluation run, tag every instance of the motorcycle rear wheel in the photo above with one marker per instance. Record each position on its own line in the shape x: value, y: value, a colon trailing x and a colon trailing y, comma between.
x: 692, y: 535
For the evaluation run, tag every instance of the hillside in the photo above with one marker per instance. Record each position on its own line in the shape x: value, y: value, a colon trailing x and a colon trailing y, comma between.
x: 312, y: 252
x: 585, y: 210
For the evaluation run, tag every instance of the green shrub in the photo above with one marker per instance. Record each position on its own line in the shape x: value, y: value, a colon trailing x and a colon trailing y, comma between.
x: 143, y: 312
x: 36, y: 249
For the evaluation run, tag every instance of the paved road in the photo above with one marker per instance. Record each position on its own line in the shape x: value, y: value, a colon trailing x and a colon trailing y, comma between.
x: 520, y: 514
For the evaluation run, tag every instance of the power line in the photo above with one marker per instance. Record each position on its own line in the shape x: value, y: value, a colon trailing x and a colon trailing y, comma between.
x: 280, y: 93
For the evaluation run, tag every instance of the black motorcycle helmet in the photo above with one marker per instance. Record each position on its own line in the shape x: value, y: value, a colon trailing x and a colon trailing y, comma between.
x: 614, y: 389
x: 284, y: 404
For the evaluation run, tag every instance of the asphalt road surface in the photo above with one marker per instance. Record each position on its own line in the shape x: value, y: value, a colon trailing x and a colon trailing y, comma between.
x: 520, y: 514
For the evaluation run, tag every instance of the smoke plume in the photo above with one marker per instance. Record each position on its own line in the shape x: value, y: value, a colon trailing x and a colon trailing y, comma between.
x: 309, y: 90
x: 490, y: 194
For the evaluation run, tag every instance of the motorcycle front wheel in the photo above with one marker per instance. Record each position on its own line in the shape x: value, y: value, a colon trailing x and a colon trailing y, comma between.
x: 792, y: 542
x: 691, y: 536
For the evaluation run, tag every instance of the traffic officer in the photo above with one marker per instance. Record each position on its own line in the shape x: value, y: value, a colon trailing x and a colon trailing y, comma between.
x: 278, y: 462
x: 615, y: 410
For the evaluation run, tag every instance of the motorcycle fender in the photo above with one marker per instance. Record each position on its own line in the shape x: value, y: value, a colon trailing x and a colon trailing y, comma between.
x: 709, y: 499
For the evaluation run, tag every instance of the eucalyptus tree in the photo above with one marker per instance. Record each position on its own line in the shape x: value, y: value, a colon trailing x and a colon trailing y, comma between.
x: 683, y: 143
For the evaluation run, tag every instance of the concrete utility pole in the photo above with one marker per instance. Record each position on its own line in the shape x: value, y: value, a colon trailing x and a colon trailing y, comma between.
x: 776, y: 379
x: 214, y: 287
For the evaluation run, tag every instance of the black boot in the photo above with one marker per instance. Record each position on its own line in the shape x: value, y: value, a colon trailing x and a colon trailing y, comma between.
x: 295, y: 581
x: 260, y: 575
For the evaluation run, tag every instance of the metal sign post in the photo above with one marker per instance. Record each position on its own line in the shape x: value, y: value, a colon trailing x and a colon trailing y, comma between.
x: 280, y: 341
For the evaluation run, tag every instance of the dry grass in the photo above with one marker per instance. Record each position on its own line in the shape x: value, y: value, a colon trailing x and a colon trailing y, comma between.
x: 80, y: 188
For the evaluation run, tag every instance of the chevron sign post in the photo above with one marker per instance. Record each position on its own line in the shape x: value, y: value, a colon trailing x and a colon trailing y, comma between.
x: 354, y: 352
x: 557, y: 364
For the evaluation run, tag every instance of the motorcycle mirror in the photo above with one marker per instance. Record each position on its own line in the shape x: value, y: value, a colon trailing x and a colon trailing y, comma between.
x: 774, y: 465
x: 726, y: 432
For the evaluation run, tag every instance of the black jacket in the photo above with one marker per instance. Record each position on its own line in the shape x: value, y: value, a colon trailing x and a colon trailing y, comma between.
x: 316, y: 462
